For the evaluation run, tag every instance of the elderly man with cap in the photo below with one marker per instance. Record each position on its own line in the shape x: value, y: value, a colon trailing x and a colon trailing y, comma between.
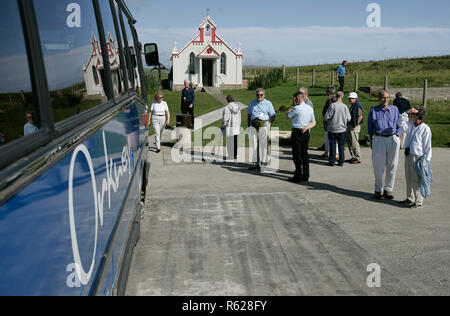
x: 354, y: 128
x: 385, y: 143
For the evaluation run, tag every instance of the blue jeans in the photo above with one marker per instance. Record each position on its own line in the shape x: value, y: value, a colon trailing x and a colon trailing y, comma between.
x: 340, y: 139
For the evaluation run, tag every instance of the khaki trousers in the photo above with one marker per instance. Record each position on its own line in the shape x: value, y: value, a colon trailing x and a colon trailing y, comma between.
x: 353, y: 142
x: 259, y: 144
x: 412, y: 180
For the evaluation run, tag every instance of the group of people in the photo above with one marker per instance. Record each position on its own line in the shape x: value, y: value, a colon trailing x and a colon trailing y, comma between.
x: 386, y: 124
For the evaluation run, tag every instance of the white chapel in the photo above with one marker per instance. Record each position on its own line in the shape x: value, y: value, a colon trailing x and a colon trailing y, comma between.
x: 207, y: 61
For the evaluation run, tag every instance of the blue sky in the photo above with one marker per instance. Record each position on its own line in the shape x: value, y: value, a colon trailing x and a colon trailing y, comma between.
x: 288, y: 13
x: 297, y: 32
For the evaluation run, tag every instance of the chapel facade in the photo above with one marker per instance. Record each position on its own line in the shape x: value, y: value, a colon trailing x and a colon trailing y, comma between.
x: 207, y: 61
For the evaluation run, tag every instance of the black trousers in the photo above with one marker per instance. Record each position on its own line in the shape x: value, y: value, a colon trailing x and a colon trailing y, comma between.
x: 300, y: 145
x: 340, y: 139
x: 341, y: 83
x: 186, y: 110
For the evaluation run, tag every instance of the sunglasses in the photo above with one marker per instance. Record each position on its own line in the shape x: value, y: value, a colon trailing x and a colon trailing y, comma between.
x: 260, y: 95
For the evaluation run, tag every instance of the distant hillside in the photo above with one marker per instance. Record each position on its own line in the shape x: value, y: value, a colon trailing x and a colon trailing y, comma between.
x: 402, y: 73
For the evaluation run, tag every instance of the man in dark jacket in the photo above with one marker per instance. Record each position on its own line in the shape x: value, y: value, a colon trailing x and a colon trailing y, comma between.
x: 354, y: 128
x: 403, y: 106
x: 188, y: 100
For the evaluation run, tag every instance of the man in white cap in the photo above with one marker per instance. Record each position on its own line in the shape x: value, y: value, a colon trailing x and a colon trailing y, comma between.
x: 354, y: 128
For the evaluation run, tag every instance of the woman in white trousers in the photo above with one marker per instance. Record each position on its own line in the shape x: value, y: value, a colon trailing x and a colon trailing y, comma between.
x: 417, y: 144
x: 160, y: 117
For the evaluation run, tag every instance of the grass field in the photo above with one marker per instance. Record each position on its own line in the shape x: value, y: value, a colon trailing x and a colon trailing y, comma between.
x: 402, y: 73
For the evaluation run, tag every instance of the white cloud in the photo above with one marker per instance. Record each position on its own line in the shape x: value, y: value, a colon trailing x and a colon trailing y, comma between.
x: 313, y: 45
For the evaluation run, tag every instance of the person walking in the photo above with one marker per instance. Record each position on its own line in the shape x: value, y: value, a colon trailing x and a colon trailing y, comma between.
x: 303, y: 120
x: 340, y: 74
x: 337, y: 118
x: 385, y: 143
x: 231, y: 126
x: 417, y: 148
x: 188, y: 100
x: 354, y: 128
x: 261, y: 115
x: 160, y: 117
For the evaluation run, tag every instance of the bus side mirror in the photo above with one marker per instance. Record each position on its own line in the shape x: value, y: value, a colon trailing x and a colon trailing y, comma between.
x: 151, y: 54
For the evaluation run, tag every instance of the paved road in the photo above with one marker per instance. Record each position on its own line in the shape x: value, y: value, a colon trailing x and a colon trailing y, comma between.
x: 219, y: 229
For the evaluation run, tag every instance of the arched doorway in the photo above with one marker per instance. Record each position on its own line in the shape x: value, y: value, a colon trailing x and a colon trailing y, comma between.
x: 207, y: 74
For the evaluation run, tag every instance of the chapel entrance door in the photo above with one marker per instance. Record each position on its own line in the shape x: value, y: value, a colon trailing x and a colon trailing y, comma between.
x: 207, y: 72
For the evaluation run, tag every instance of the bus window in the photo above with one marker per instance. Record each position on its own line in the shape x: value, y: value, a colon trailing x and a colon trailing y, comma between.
x: 113, y: 47
x: 18, y: 111
x: 133, y: 68
x: 72, y: 56
x: 120, y: 46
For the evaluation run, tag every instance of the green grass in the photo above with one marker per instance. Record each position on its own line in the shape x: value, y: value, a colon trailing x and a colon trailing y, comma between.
x: 402, y: 73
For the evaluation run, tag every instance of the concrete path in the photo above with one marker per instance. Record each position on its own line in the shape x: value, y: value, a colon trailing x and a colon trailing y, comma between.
x: 218, y: 229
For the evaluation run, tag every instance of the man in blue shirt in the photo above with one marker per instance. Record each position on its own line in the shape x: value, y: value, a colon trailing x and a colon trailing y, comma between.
x: 385, y: 143
x: 341, y: 72
x: 261, y: 115
x: 303, y: 120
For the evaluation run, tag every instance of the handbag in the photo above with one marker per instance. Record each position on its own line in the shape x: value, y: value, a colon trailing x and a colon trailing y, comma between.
x: 258, y: 123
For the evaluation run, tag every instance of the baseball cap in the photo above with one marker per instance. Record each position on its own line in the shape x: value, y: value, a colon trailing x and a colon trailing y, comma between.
x: 353, y: 95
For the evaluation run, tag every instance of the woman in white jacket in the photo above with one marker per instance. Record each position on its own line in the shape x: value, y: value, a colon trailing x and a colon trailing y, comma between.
x: 417, y: 145
x: 231, y: 126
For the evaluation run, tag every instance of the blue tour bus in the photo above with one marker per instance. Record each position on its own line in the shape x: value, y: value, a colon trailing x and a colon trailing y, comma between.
x: 73, y: 146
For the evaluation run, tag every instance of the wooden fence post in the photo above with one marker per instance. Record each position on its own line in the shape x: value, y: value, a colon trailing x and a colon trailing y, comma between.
x: 298, y: 77
x: 356, y: 82
x: 284, y: 72
x: 332, y: 78
x: 386, y: 83
x: 313, y: 78
x: 425, y: 93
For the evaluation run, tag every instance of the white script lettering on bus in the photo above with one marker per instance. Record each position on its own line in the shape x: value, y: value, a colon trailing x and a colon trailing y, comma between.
x: 110, y: 185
